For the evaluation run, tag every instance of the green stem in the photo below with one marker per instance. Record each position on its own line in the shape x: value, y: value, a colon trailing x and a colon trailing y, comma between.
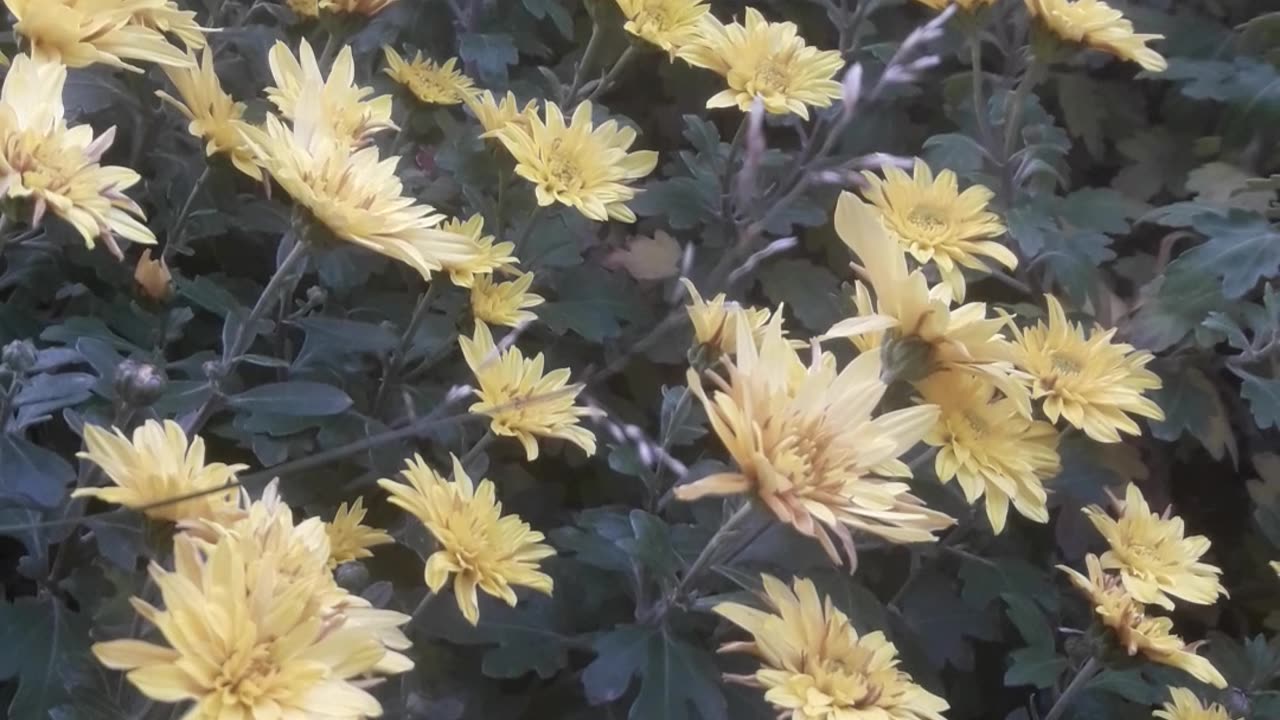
x: 331, y: 45
x: 610, y: 77
x: 713, y: 549
x: 177, y: 234
x: 979, y: 101
x: 1013, y: 114
x: 485, y: 441
x: 398, y: 356
x: 1073, y: 689
x: 525, y: 231
x: 588, y: 59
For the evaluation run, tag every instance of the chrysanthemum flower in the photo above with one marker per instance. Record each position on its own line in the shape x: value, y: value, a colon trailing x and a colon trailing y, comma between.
x: 1134, y: 630
x: 966, y: 5
x: 495, y: 114
x: 936, y: 223
x: 346, y: 108
x: 153, y: 277
x: 1095, y: 24
x: 503, y: 303
x: 579, y: 165
x: 159, y: 465
x: 1086, y: 378
x: 56, y: 168
x: 669, y: 24
x: 1155, y: 559
x: 165, y: 17
x: 815, y: 666
x: 715, y: 322
x: 989, y: 447
x: 520, y: 400
x: 367, y: 8
x: 432, y: 83
x: 304, y: 9
x: 478, y: 545
x: 1184, y: 705
x: 78, y: 33
x: 214, y: 116
x: 486, y: 255
x: 348, y: 538
x: 806, y: 445
x: 765, y: 60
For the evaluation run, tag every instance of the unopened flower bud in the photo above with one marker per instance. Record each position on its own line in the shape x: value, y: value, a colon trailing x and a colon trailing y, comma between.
x: 906, y: 359
x: 19, y: 356
x: 138, y: 383
x: 316, y: 295
x: 352, y: 576
x: 153, y: 278
x: 1237, y: 703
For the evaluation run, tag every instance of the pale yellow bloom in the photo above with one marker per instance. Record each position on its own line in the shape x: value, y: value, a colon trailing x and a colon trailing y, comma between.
x: 83, y: 32
x: 579, y: 164
x: 520, y: 400
x: 495, y: 114
x: 503, y: 303
x: 486, y: 255
x: 165, y: 17
x: 214, y: 116
x: 430, y: 82
x: 1095, y: 24
x: 765, y: 60
x: 715, y: 322
x: 368, y: 8
x: 345, y: 108
x: 936, y: 223
x: 815, y: 666
x: 479, y: 546
x: 304, y: 9
x: 966, y: 5
x: 348, y: 538
x: 669, y: 24
x: 1085, y: 377
x: 1134, y: 630
x: 1184, y: 705
x: 153, y: 277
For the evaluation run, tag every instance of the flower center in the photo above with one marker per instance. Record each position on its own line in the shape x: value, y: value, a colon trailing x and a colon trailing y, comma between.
x: 771, y: 77
x: 653, y: 18
x: 1066, y: 365
x: 928, y: 221
x: 562, y: 172
x: 246, y: 678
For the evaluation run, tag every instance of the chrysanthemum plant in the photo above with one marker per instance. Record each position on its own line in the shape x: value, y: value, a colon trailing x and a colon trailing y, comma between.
x: 659, y: 359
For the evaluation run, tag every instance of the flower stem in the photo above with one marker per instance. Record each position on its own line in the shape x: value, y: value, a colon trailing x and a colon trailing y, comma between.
x: 714, y: 548
x: 1013, y: 113
x: 177, y: 234
x: 979, y: 100
x: 1073, y: 689
x: 610, y: 77
x: 485, y: 441
x: 588, y: 59
x: 395, y: 364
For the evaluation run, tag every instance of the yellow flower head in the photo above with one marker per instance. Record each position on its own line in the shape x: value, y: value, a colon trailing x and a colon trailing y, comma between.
x: 815, y: 666
x: 165, y: 17
x: 214, y: 116
x: 243, y: 644
x: 1098, y: 25
x: 486, y: 255
x: 304, y: 9
x: 966, y: 5
x: 431, y: 83
x: 84, y: 32
x: 765, y: 60
x: 936, y: 223
x: 153, y: 277
x: 1085, y: 377
x: 1134, y: 630
x: 368, y: 8
x: 478, y: 545
x: 344, y: 107
x: 807, y: 446
x: 1184, y: 705
x: 579, y: 165
x: 56, y: 168
x: 1152, y: 555
x: 503, y: 303
x: 159, y: 465
x: 989, y: 447
x: 669, y: 24
x: 521, y: 401
x: 348, y: 539
x: 715, y: 322
x: 495, y: 114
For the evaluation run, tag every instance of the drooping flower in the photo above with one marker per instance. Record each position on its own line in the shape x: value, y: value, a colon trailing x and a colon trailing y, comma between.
x: 214, y: 116
x: 348, y: 538
x: 345, y: 108
x: 966, y: 5
x: 479, y: 546
x: 1154, y: 557
x: 1085, y: 377
x: 1134, y: 630
x: 989, y: 447
x: 56, y: 168
x: 815, y: 666
x: 1096, y: 24
x: 495, y: 114
x: 936, y: 223
x: 715, y: 322
x: 807, y: 446
x: 765, y: 60
x: 432, y: 83
x: 78, y: 33
x: 520, y: 400
x: 503, y: 303
x: 580, y: 165
x: 159, y: 465
x: 486, y: 255
x: 367, y: 8
x: 1184, y: 705
x: 153, y: 278
x: 669, y: 24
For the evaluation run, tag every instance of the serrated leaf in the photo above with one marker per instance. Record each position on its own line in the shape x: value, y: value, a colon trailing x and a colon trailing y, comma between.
x: 652, y: 545
x: 809, y: 290
x: 294, y: 398
x: 675, y: 677
x: 30, y: 472
x: 350, y: 335
x: 954, y: 151
x: 554, y: 10
x: 1242, y: 248
x: 943, y: 623
x: 491, y: 53
x: 39, y: 638
x: 1038, y: 666
x: 1083, y: 110
x: 1100, y: 209
x: 593, y: 303
x: 1263, y: 395
x: 1175, y: 304
x: 683, y: 419
x: 1192, y: 404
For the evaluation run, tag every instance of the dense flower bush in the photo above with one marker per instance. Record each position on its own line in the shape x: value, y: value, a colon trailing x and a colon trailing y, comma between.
x: 659, y: 359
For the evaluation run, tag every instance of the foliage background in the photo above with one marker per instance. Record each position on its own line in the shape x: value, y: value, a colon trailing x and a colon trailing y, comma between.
x: 1148, y: 201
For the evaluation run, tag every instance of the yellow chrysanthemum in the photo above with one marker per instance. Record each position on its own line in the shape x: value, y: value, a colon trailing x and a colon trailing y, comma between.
x: 936, y: 223
x: 346, y: 108
x: 990, y: 448
x: 495, y: 114
x: 478, y: 545
x: 367, y: 8
x: 1134, y: 630
x: 815, y: 666
x: 165, y: 17
x: 214, y: 116
x: 503, y: 303
x: 579, y: 165
x: 669, y: 24
x: 56, y: 168
x: 1155, y: 559
x: 1098, y: 25
x: 807, y: 446
x: 348, y: 538
x: 156, y: 466
x: 486, y: 255
x: 520, y: 400
x: 153, y: 277
x: 242, y: 643
x: 966, y: 5
x: 83, y: 32
x: 429, y: 82
x: 715, y: 322
x: 765, y: 60
x: 1184, y: 705
x: 304, y: 9
x: 1086, y: 378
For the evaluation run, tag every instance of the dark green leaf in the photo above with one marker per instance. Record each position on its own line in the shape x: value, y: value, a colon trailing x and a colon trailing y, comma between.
x: 39, y: 639
x: 809, y: 290
x: 298, y: 397
x: 652, y: 545
x: 1083, y: 110
x: 491, y: 53
x: 553, y: 9
x: 675, y: 677
x: 1038, y: 666
x: 1192, y: 404
x: 1263, y: 395
x: 683, y: 418
x: 1174, y: 304
x: 32, y: 472
x: 1242, y: 248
